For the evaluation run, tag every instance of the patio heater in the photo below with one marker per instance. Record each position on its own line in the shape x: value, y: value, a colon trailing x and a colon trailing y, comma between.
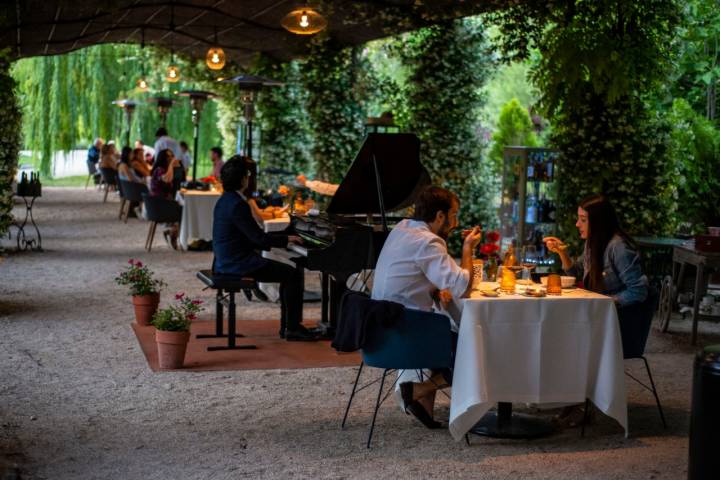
x: 163, y: 107
x: 249, y: 85
x: 197, y: 102
x: 129, y: 107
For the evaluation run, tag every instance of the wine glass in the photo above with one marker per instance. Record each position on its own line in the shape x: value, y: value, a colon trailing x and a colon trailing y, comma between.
x: 528, y: 259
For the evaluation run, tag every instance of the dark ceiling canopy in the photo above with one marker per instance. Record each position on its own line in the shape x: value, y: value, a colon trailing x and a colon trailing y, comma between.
x: 242, y: 27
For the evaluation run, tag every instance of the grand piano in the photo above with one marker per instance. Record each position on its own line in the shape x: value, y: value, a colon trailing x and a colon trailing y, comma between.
x: 346, y: 239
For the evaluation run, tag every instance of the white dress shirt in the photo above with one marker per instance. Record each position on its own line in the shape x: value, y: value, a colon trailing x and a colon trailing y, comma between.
x: 323, y: 188
x: 413, y: 263
x: 165, y: 142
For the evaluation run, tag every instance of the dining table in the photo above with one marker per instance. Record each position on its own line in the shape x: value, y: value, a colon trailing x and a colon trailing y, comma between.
x: 541, y: 351
x: 197, y: 215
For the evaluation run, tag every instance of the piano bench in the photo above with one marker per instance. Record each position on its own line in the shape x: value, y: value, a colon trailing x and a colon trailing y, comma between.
x: 230, y: 284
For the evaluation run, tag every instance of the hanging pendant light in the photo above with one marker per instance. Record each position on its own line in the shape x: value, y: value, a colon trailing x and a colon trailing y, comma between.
x: 215, y: 58
x: 142, y: 84
x: 172, y: 74
x: 304, y: 21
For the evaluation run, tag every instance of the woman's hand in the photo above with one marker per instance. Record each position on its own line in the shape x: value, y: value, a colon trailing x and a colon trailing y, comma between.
x: 555, y: 245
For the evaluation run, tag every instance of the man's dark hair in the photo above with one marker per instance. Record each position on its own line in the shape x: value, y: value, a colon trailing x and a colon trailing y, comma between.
x: 233, y: 173
x: 217, y: 150
x: 432, y: 200
x: 184, y: 144
x: 160, y: 132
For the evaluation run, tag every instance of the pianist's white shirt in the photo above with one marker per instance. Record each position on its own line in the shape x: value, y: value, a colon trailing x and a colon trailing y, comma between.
x: 414, y: 262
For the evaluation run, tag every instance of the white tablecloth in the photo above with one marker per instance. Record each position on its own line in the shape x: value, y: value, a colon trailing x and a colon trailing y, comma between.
x: 560, y: 349
x: 197, y: 215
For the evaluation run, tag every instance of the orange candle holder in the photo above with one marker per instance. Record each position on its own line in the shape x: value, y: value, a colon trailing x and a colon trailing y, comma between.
x: 554, y: 284
x: 507, y: 280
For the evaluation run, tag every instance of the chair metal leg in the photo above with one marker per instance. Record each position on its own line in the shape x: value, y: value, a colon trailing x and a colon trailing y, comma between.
x: 107, y: 187
x: 232, y: 334
x: 467, y: 439
x: 352, y: 394
x: 377, y: 406
x: 151, y: 236
x: 122, y: 209
x: 586, y: 415
x: 87, y: 182
x: 654, y: 391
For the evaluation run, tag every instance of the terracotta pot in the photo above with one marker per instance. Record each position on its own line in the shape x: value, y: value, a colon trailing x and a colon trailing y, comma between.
x: 171, y: 348
x: 145, y: 307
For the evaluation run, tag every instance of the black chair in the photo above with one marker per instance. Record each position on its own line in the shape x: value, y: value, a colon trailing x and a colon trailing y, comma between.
x: 419, y: 340
x: 179, y: 176
x: 159, y: 210
x: 122, y: 199
x: 131, y: 193
x: 635, y: 321
x: 109, y: 179
x: 227, y: 286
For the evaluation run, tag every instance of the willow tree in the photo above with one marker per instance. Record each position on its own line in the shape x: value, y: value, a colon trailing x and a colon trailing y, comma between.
x: 67, y: 99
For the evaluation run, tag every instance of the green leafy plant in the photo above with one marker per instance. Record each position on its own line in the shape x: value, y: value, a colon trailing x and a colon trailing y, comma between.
x: 177, y: 318
x: 10, y: 136
x: 139, y: 278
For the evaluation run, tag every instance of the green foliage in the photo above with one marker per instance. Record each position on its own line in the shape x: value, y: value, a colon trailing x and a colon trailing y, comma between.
x: 286, y: 138
x: 139, y: 278
x: 10, y: 137
x: 695, y: 144
x: 447, y: 65
x: 601, y: 65
x: 67, y: 99
x: 514, y: 127
x: 177, y: 318
x: 336, y: 115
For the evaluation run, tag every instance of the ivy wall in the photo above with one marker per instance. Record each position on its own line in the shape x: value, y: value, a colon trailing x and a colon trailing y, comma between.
x: 10, y: 131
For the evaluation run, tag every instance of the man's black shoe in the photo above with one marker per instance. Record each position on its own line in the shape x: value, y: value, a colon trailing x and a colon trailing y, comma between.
x: 299, y: 336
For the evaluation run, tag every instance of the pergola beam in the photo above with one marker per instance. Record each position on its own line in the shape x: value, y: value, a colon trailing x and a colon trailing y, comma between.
x: 52, y: 29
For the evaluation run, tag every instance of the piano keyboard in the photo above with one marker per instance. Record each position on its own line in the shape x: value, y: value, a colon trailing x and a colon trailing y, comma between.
x: 293, y: 247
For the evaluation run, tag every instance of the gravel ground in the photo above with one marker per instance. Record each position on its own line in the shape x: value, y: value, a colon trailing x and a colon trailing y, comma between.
x: 78, y: 401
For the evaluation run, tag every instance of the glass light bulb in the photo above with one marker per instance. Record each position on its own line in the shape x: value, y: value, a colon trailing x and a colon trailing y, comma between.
x: 304, y: 21
x: 215, y: 58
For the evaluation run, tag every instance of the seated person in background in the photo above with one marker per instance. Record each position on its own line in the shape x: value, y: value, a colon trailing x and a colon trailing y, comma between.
x: 260, y: 214
x: 93, y: 157
x: 108, y: 157
x: 413, y: 267
x: 317, y: 186
x: 138, y: 164
x: 236, y: 239
x: 161, y: 185
x: 125, y: 170
x: 216, y: 155
x: 609, y: 264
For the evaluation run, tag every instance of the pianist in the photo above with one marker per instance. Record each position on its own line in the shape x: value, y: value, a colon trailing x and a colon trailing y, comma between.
x: 236, y: 239
x: 414, y: 265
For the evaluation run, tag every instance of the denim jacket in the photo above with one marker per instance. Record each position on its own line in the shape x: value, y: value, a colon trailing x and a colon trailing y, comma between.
x: 622, y: 274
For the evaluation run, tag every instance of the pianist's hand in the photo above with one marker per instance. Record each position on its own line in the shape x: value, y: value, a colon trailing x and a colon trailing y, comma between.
x: 295, y: 239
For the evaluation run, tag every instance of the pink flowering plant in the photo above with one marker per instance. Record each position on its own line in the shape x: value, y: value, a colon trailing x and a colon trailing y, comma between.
x: 139, y: 278
x: 178, y: 317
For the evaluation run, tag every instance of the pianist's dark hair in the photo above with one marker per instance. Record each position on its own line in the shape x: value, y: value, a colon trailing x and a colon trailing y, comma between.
x: 233, y: 173
x: 432, y: 200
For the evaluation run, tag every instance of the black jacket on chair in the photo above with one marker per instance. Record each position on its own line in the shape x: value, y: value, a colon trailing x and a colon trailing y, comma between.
x: 237, y: 237
x: 358, y: 311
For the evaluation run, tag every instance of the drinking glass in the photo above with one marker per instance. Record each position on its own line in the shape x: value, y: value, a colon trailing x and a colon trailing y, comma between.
x: 554, y: 284
x: 477, y: 273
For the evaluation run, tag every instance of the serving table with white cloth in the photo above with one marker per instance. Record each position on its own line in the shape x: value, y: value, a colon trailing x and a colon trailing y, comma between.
x: 197, y: 215
x: 549, y: 350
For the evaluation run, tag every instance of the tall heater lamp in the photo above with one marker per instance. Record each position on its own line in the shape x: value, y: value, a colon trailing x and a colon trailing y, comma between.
x: 248, y: 85
x: 129, y: 107
x: 163, y: 107
x: 197, y: 101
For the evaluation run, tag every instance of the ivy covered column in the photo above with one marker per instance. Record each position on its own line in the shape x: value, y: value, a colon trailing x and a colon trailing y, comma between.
x: 336, y: 116
x: 10, y: 128
x: 448, y: 65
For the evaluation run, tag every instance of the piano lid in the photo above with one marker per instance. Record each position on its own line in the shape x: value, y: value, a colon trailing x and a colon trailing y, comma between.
x: 401, y: 174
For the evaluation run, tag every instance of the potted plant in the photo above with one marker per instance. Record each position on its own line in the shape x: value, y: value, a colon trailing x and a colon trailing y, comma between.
x: 144, y: 289
x: 173, y: 330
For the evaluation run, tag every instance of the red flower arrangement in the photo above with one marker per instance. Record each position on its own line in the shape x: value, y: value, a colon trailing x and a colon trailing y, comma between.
x: 490, y: 248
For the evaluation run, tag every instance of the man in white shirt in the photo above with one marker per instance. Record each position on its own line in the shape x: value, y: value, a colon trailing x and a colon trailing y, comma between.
x: 414, y: 269
x: 185, y: 157
x: 318, y: 186
x: 164, y: 141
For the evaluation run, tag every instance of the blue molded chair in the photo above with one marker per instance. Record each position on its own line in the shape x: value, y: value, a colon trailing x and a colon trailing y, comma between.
x: 159, y: 210
x: 131, y: 193
x: 635, y: 321
x: 420, y: 340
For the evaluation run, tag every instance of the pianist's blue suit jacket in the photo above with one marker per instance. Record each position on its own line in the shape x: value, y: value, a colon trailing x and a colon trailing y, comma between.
x: 237, y: 237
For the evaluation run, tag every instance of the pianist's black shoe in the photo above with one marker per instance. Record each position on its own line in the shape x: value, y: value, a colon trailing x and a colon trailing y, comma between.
x: 300, y: 336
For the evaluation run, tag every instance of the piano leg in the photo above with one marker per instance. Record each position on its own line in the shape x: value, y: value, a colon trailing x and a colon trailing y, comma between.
x: 325, y: 298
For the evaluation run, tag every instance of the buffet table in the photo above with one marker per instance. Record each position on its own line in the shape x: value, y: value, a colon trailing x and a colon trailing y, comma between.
x: 549, y: 350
